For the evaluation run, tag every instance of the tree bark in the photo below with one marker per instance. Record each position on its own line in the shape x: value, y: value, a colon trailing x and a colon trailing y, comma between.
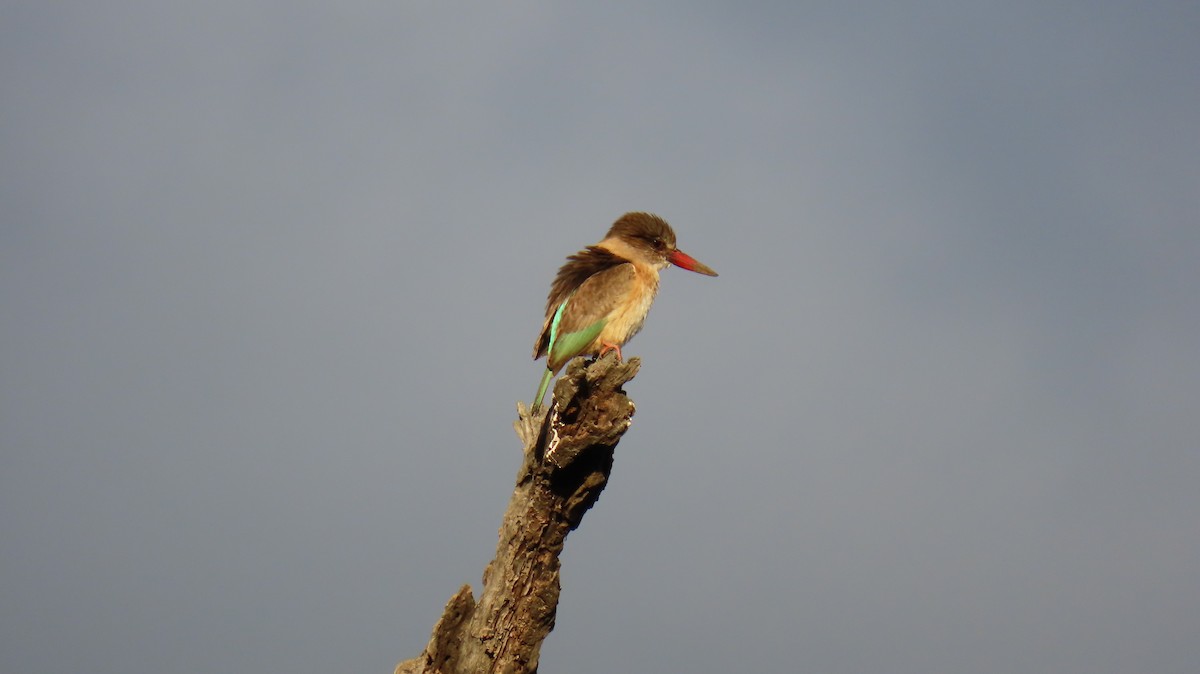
x: 568, y: 456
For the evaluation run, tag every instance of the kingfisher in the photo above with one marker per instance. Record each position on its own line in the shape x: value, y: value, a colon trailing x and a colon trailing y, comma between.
x: 601, y: 296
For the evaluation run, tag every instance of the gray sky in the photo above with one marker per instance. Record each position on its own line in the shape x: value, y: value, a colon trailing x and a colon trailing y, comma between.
x: 270, y: 275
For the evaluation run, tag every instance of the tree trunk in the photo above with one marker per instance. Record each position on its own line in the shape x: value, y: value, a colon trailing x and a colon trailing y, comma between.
x: 568, y: 456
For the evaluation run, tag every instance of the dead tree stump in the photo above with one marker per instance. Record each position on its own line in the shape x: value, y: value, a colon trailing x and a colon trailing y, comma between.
x: 568, y: 456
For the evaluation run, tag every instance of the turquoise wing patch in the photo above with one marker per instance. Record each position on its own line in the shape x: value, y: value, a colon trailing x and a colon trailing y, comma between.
x: 566, y: 346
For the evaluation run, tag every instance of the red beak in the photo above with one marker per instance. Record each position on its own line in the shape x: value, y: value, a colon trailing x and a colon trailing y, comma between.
x: 685, y: 261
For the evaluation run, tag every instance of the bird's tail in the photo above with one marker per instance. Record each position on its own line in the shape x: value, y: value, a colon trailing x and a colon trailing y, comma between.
x: 537, y: 402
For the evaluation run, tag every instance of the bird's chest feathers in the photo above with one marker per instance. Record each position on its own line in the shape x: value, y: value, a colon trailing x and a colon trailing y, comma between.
x: 627, y: 318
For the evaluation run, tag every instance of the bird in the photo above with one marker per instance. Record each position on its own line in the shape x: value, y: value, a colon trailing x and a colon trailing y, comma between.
x: 601, y: 295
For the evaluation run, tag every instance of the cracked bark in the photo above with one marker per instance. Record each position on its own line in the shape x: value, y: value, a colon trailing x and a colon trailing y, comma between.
x: 568, y: 455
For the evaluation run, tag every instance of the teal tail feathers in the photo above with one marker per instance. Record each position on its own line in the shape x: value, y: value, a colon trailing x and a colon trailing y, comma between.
x: 537, y: 402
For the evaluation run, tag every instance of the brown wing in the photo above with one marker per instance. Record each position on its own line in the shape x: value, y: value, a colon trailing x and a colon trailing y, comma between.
x: 594, y: 301
x: 579, y: 268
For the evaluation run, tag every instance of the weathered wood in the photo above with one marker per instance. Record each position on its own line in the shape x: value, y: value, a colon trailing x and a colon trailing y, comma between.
x: 568, y: 455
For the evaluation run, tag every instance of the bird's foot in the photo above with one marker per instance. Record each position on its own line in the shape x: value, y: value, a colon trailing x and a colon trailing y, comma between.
x: 605, y: 347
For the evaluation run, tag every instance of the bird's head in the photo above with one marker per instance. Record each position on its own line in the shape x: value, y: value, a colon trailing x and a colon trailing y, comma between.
x: 651, y: 239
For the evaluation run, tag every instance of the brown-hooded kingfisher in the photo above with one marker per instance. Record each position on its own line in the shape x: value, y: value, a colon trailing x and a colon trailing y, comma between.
x: 601, y: 296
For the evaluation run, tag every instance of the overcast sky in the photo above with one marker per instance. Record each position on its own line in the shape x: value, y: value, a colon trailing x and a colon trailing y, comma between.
x: 271, y: 273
